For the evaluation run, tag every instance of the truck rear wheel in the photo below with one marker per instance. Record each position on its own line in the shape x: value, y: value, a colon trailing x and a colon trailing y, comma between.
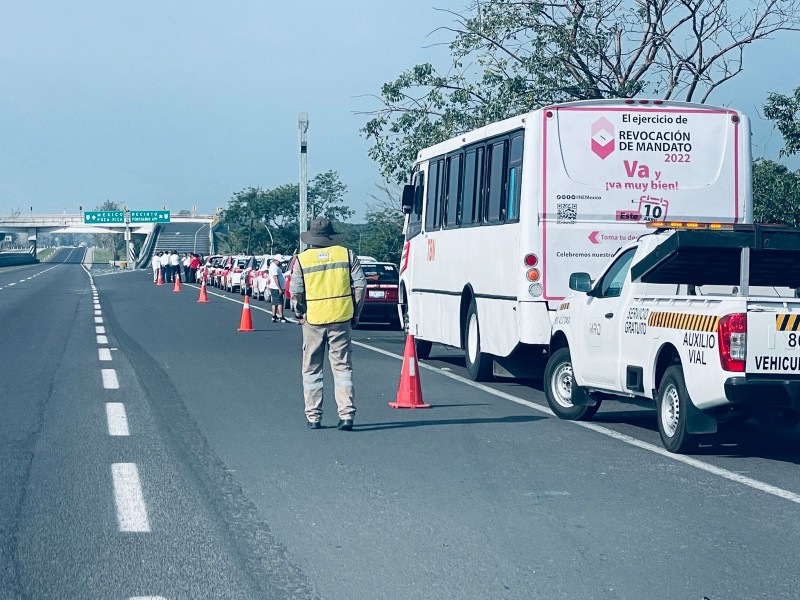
x: 672, y: 409
x: 558, y: 384
x: 479, y: 364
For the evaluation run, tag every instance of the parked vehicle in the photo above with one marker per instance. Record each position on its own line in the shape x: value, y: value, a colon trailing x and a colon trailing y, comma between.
x: 259, y: 277
x: 716, y: 350
x: 248, y: 276
x: 232, y: 275
x: 380, y: 301
x: 203, y: 272
x: 214, y: 272
x: 497, y: 218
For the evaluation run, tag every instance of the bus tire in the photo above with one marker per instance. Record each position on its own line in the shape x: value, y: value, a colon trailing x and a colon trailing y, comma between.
x: 423, y: 348
x: 558, y: 384
x: 479, y: 364
x: 673, y: 412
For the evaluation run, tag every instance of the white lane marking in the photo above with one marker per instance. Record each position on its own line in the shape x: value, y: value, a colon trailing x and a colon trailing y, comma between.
x: 687, y: 460
x: 110, y: 381
x: 10, y: 284
x: 117, y: 419
x: 104, y: 354
x: 101, y: 339
x: 97, y: 313
x: 22, y: 281
x: 128, y: 497
x: 98, y: 319
x: 99, y: 329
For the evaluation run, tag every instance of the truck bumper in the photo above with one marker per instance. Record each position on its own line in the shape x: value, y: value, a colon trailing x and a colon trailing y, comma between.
x: 767, y: 393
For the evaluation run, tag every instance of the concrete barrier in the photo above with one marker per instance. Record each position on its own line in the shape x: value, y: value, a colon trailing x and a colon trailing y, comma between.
x: 8, y: 259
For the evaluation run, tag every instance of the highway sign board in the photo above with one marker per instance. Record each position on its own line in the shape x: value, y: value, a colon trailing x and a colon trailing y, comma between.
x: 103, y: 216
x: 150, y: 216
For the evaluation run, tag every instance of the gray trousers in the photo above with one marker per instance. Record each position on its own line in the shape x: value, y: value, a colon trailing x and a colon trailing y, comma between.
x: 337, y: 339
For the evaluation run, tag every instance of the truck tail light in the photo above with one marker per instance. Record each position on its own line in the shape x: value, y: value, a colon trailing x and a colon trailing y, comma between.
x: 533, y: 275
x: 732, y: 331
x: 531, y: 260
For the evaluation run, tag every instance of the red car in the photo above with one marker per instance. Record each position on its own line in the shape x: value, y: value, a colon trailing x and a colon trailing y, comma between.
x: 380, y: 302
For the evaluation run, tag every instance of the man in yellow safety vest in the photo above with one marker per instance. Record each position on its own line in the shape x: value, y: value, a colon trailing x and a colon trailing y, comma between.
x: 328, y: 288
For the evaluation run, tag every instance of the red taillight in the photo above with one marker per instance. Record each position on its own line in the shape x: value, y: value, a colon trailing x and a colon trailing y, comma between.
x: 237, y: 270
x: 531, y: 260
x: 732, y: 332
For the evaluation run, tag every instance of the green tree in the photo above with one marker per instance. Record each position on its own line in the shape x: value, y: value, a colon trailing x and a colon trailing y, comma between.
x: 383, y: 234
x: 776, y: 193
x: 784, y: 111
x: 268, y: 220
x: 512, y: 56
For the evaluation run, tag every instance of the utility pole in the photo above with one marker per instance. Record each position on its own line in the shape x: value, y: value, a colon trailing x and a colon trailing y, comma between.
x: 302, y: 122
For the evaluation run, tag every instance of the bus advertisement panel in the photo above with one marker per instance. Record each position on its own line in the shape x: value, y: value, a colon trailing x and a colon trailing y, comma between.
x: 610, y: 169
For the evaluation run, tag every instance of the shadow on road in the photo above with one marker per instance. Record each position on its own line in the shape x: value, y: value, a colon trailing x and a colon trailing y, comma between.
x: 477, y: 421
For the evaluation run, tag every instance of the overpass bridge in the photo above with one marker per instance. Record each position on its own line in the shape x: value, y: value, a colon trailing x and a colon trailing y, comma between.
x: 74, y: 223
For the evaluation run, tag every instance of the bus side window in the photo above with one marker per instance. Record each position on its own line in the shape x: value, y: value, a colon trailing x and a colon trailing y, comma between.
x: 494, y: 205
x: 514, y: 178
x: 415, y: 216
x: 453, y: 199
x: 469, y: 188
x: 432, y: 199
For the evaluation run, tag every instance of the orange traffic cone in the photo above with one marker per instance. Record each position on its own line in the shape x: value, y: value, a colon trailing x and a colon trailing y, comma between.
x: 203, y: 295
x: 160, y: 278
x: 246, y: 324
x: 409, y: 392
x: 177, y: 287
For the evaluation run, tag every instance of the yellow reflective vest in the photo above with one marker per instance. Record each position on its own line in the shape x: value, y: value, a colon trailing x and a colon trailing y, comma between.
x: 328, y: 293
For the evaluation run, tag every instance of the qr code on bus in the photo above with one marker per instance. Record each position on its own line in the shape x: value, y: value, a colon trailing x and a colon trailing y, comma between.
x: 566, y: 213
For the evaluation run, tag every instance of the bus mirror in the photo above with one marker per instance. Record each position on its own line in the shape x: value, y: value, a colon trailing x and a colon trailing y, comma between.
x: 407, y: 202
x: 580, y: 282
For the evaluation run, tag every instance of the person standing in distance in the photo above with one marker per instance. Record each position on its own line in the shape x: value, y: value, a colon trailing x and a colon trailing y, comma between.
x: 156, y: 264
x: 276, y: 284
x: 328, y: 286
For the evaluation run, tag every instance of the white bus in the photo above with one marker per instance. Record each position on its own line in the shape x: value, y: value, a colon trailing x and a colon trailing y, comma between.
x: 498, y: 218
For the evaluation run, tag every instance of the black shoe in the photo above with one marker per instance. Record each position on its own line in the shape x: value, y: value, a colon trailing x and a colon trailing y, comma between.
x: 283, y: 320
x: 345, y: 424
x: 318, y: 425
x: 274, y: 319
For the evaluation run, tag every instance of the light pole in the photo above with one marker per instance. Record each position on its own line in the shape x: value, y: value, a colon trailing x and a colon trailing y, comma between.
x: 271, y: 239
x: 302, y: 123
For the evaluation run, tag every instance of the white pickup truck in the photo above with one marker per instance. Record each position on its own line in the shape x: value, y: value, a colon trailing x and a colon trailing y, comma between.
x: 702, y: 319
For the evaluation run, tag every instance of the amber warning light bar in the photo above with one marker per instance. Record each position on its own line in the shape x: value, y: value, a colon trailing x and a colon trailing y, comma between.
x: 688, y: 225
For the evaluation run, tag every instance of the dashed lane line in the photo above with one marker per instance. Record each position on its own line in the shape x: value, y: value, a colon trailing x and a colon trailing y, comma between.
x: 102, y: 339
x: 99, y: 329
x: 104, y: 354
x: 117, y: 419
x: 110, y: 381
x: 128, y: 498
x: 98, y: 319
x: 687, y: 460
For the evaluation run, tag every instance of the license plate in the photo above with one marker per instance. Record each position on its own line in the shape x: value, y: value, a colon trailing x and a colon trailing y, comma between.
x: 377, y: 294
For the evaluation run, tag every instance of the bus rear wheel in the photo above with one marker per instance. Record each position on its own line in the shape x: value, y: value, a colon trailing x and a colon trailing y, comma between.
x: 479, y: 364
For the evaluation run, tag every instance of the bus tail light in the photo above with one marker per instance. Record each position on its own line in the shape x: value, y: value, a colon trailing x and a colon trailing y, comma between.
x: 533, y: 275
x: 732, y: 331
x: 531, y: 260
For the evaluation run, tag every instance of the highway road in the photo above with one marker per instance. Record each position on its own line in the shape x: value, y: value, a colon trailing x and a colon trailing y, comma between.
x: 149, y: 450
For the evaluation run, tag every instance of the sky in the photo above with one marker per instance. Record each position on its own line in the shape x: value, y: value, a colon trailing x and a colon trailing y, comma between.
x: 181, y: 104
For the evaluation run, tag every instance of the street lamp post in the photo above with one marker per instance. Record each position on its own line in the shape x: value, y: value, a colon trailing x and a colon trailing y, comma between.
x: 271, y: 239
x: 302, y: 122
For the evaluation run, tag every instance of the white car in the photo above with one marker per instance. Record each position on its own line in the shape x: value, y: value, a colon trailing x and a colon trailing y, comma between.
x: 232, y: 278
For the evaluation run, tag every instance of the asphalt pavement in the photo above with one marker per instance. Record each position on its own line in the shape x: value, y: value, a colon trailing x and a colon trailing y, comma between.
x: 218, y: 490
